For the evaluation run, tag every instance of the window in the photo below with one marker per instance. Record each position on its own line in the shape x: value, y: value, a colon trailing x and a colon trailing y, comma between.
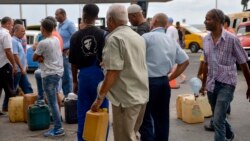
x: 30, y: 40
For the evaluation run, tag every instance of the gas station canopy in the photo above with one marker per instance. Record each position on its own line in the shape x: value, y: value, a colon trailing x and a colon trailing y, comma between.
x: 73, y: 1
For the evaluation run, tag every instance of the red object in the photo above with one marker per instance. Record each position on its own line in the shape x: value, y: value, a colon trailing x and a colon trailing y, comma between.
x: 173, y: 84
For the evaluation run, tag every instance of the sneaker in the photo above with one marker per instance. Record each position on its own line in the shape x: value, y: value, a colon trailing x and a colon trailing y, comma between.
x: 230, y: 139
x: 55, y: 132
x: 2, y: 113
x: 209, y: 127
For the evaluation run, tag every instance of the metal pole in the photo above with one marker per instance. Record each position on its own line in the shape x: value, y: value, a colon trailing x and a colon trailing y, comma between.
x: 216, y: 4
x: 46, y: 10
x: 80, y: 11
x: 20, y: 11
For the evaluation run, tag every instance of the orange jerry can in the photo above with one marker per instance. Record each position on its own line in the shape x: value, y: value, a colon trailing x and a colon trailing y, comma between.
x: 95, y: 126
x: 179, y: 102
x: 15, y: 109
x: 28, y: 99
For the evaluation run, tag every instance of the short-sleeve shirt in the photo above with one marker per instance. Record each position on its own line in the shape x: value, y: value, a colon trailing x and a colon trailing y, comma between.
x: 66, y: 30
x: 162, y: 53
x: 86, y: 47
x: 58, y: 36
x: 125, y: 51
x: 143, y: 28
x: 19, y: 50
x: 173, y: 33
x: 49, y: 48
x: 202, y: 58
x: 5, y: 43
x: 221, y: 59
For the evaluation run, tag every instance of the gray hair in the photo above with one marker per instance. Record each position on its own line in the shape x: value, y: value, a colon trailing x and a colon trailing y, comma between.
x: 17, y: 27
x: 118, y: 13
x: 218, y: 15
x: 134, y: 8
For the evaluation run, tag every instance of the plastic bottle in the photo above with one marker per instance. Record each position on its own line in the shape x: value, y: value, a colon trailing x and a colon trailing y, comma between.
x: 195, y: 84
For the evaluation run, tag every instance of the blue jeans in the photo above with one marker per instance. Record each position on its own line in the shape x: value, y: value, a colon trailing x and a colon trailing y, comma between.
x: 88, y: 80
x: 50, y: 85
x: 155, y: 125
x: 39, y: 84
x: 220, y: 100
x: 25, y: 84
x: 67, y: 82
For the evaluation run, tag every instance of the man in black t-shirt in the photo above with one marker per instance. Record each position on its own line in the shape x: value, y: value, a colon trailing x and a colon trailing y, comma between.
x: 85, y: 55
x: 136, y: 18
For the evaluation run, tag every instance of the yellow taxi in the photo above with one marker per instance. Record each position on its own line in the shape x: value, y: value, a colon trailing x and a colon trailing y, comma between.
x: 193, y: 38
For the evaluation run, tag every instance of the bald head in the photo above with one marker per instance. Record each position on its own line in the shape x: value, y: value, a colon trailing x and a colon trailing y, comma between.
x: 19, y: 31
x: 159, y: 20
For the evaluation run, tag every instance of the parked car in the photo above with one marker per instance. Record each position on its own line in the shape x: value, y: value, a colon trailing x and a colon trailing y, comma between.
x: 31, y: 36
x: 243, y: 33
x: 193, y: 38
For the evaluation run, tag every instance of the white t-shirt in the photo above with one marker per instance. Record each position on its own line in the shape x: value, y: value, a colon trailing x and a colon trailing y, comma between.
x: 173, y: 33
x: 5, y: 43
x: 50, y: 49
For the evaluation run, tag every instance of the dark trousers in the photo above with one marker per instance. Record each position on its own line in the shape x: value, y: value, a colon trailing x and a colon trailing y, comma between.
x: 155, y: 125
x: 7, y: 82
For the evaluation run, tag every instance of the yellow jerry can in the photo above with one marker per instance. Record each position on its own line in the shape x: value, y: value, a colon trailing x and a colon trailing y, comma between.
x: 15, y: 109
x: 28, y: 99
x: 191, y: 111
x: 95, y: 126
x: 179, y: 101
x: 204, y: 105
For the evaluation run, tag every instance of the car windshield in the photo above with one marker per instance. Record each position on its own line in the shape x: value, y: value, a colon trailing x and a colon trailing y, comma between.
x: 243, y: 30
x: 192, y: 29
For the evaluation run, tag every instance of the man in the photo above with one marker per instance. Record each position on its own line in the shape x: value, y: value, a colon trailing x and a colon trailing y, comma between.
x: 49, y: 55
x: 125, y: 82
x: 85, y: 56
x: 7, y: 63
x: 181, y: 34
x: 173, y: 33
x: 66, y: 29
x: 171, y: 30
x: 227, y: 25
x: 221, y: 52
x: 37, y: 73
x: 161, y: 54
x: 136, y: 18
x: 21, y: 78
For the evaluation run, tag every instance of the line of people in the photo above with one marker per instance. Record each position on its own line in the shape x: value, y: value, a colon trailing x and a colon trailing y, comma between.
x: 131, y: 69
x: 14, y: 64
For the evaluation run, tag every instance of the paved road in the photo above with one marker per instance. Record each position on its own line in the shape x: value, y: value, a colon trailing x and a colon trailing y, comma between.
x: 179, y: 131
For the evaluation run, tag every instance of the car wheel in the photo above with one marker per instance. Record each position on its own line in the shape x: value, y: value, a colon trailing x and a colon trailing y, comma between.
x: 194, y: 47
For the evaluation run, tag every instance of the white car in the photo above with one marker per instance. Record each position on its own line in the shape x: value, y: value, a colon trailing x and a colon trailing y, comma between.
x: 31, y: 36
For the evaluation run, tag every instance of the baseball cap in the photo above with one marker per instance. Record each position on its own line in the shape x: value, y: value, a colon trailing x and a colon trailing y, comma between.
x: 134, y: 8
x: 170, y: 20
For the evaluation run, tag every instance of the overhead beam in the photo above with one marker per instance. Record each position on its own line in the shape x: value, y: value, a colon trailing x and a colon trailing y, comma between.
x: 70, y: 1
